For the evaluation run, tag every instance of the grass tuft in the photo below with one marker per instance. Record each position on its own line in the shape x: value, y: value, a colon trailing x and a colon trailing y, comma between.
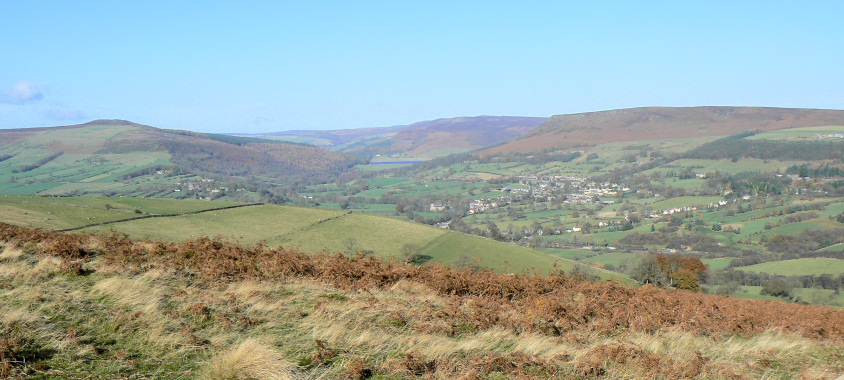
x: 252, y: 360
x: 9, y: 253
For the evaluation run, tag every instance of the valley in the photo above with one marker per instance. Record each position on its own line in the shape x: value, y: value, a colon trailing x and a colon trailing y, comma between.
x: 559, y: 261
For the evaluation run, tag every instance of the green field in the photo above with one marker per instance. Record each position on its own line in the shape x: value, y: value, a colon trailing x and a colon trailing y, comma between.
x: 715, y: 264
x: 451, y: 248
x: 614, y: 258
x: 63, y: 212
x: 813, y: 296
x: 571, y: 254
x: 797, y: 133
x: 310, y: 230
x: 799, y: 267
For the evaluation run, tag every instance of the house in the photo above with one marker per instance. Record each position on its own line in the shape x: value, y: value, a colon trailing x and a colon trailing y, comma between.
x: 437, y: 207
x: 576, y: 229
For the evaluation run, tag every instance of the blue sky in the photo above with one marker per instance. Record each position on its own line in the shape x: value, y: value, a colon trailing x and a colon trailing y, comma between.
x: 269, y: 66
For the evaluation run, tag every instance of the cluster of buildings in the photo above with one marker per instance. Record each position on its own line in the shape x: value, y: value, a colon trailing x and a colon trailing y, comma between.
x: 576, y: 189
x: 672, y: 211
x: 720, y: 203
x: 478, y: 206
x: 203, y: 184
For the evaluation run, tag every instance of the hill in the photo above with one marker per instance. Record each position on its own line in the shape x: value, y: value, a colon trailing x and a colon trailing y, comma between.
x: 331, y: 138
x: 422, y: 140
x: 121, y: 157
x: 74, y: 306
x: 660, y: 123
x: 307, y: 230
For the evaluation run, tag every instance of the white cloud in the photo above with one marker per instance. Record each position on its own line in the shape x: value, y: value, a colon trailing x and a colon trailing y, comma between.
x: 22, y: 92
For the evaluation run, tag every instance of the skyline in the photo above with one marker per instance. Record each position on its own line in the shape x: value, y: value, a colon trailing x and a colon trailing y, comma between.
x: 265, y: 67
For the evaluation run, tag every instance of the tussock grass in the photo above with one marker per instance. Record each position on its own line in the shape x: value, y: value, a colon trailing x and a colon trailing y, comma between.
x: 10, y: 253
x: 252, y: 360
x: 167, y: 320
x: 133, y: 293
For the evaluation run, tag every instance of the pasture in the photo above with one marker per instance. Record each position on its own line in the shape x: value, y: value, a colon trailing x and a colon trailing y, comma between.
x: 799, y: 267
x: 310, y: 230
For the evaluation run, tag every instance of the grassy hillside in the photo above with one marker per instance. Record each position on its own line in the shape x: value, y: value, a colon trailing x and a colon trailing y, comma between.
x: 120, y: 157
x: 650, y: 123
x: 75, y: 306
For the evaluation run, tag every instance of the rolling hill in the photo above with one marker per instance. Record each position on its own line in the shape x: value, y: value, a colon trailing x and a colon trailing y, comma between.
x: 121, y: 157
x: 422, y: 140
x: 308, y: 230
x: 652, y: 123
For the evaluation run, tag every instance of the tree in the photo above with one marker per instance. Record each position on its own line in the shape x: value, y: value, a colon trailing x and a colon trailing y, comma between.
x: 351, y: 245
x: 648, y: 271
x: 779, y: 287
x: 536, y: 241
x: 678, y: 271
x: 686, y: 279
x: 729, y: 287
x: 467, y: 262
x: 494, y: 232
x: 410, y: 253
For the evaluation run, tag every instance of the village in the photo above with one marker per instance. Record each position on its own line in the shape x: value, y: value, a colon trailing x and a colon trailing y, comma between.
x: 571, y: 189
x: 574, y: 191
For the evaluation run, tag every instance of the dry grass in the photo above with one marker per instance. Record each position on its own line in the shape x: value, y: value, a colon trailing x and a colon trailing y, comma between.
x: 137, y: 293
x: 165, y: 319
x: 10, y: 253
x: 250, y: 360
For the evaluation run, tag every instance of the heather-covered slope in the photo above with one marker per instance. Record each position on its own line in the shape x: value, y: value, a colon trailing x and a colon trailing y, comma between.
x: 652, y: 123
x: 422, y: 140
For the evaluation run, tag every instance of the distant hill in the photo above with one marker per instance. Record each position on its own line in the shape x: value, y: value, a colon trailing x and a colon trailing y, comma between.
x: 648, y: 123
x: 422, y: 140
x: 108, y: 156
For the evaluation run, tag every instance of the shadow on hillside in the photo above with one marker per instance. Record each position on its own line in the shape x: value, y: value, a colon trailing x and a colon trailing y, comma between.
x: 423, y: 259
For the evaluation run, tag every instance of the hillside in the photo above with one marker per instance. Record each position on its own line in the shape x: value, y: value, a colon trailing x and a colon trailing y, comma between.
x: 421, y: 140
x: 76, y: 306
x: 121, y: 157
x: 761, y: 209
x: 307, y: 230
x: 330, y: 138
x: 660, y: 123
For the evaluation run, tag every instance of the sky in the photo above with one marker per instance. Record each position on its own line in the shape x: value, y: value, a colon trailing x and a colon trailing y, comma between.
x: 265, y: 66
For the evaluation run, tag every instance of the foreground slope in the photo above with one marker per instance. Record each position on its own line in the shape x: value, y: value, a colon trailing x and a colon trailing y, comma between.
x: 80, y: 306
x: 121, y: 157
x: 652, y: 123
